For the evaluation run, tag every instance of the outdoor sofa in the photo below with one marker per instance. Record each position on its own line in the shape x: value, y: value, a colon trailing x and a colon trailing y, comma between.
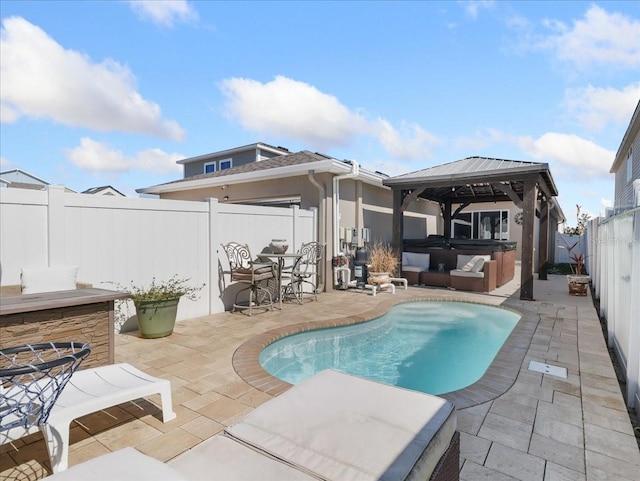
x: 451, y: 268
x: 332, y: 426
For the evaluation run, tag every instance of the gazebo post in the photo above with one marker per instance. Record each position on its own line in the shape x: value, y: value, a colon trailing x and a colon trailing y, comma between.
x: 528, y: 213
x: 398, y: 225
x: 543, y: 240
x: 447, y: 218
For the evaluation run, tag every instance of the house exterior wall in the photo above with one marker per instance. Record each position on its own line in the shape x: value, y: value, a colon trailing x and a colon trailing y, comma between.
x: 238, y: 159
x: 361, y: 205
x: 624, y: 191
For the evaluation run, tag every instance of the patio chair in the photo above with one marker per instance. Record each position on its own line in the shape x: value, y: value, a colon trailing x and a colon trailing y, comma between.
x: 251, y: 272
x: 86, y: 392
x: 306, y: 270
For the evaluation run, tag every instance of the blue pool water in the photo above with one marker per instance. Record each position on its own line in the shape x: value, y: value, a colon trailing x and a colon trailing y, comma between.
x: 433, y: 347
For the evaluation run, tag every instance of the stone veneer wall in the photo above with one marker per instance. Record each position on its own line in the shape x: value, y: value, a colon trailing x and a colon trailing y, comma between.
x: 91, y: 323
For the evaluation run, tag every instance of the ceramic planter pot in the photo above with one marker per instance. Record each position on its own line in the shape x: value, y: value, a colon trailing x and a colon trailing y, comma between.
x: 156, y: 318
x: 578, y: 284
x: 278, y: 246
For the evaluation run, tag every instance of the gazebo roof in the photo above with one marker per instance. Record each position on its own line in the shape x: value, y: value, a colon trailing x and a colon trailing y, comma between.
x: 475, y: 179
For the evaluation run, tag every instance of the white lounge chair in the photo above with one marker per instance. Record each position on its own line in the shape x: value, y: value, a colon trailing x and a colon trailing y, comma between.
x: 332, y: 427
x: 89, y: 391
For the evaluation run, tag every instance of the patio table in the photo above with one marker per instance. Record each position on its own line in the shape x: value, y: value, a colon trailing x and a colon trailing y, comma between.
x: 281, y: 261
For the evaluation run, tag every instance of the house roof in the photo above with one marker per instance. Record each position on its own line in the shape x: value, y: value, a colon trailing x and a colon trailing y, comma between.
x: 283, y: 166
x: 627, y: 140
x: 19, y: 176
x: 221, y: 153
x: 475, y: 179
x: 97, y: 190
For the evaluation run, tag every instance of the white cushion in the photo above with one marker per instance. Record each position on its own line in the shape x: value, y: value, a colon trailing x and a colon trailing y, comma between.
x: 345, y: 427
x: 48, y: 279
x: 479, y: 264
x: 471, y: 263
x: 125, y: 464
x: 461, y: 273
x: 222, y: 458
x: 416, y: 259
x: 412, y: 268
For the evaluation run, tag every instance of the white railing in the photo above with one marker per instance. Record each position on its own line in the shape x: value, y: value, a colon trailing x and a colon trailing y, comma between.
x: 614, y: 260
x: 117, y: 240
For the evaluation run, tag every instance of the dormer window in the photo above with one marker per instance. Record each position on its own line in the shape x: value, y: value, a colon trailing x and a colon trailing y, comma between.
x: 209, y: 167
x: 226, y: 164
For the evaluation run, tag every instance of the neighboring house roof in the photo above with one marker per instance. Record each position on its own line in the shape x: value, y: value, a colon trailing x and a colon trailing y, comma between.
x: 104, y: 190
x: 472, y: 178
x: 627, y: 140
x: 235, y: 150
x: 283, y: 166
x: 19, y: 176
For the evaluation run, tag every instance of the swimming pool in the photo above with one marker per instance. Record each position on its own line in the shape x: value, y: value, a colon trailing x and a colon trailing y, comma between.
x: 429, y: 346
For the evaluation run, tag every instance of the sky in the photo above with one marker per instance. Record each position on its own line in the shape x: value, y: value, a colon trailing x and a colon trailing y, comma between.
x: 115, y: 92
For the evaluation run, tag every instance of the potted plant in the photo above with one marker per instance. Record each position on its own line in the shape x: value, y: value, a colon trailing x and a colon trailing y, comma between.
x: 157, y: 304
x: 383, y: 263
x: 578, y: 281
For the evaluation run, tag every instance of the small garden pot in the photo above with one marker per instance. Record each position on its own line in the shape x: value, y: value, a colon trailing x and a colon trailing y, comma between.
x: 156, y: 318
x: 578, y: 284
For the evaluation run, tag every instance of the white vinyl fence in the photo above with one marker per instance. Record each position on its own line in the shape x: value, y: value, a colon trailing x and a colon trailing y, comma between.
x: 568, y: 245
x: 614, y: 261
x: 115, y: 240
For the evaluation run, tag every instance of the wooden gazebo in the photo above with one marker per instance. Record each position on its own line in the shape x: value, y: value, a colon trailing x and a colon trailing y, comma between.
x: 479, y: 179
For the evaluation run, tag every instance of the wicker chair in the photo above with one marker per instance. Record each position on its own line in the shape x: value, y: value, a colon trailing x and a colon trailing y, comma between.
x: 248, y: 271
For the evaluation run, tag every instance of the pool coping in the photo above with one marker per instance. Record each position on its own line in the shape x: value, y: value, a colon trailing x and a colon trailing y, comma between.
x: 497, y: 379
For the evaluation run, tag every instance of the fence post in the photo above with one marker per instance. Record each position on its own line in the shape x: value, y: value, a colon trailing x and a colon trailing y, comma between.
x: 216, y: 283
x: 56, y: 225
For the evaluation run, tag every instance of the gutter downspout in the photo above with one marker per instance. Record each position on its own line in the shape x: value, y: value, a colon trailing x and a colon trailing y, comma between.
x: 322, y: 214
x: 355, y: 171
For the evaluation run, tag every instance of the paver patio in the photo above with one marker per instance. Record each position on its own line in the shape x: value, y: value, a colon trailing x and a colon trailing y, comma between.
x: 515, y: 424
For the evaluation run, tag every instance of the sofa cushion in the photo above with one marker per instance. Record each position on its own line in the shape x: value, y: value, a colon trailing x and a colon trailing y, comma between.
x: 471, y: 263
x: 48, y: 279
x: 415, y: 259
x: 412, y: 268
x: 461, y: 273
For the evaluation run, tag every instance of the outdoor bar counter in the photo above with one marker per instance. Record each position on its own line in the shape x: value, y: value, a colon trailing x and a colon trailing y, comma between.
x: 81, y: 315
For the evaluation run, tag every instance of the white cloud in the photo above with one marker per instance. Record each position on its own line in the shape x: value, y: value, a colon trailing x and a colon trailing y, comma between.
x: 40, y: 79
x: 596, y: 107
x: 480, y: 141
x: 289, y: 108
x: 164, y: 12
x: 94, y: 156
x: 566, y: 152
x: 4, y: 162
x: 410, y: 143
x: 472, y: 7
x: 599, y: 39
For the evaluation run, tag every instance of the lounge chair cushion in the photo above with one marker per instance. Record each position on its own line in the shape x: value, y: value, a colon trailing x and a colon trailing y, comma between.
x: 344, y: 427
x: 125, y: 464
x: 48, y: 279
x: 223, y: 458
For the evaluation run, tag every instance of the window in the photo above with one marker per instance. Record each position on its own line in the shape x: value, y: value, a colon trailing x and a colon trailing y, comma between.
x: 209, y: 167
x: 630, y: 165
x: 491, y: 224
x: 226, y: 164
